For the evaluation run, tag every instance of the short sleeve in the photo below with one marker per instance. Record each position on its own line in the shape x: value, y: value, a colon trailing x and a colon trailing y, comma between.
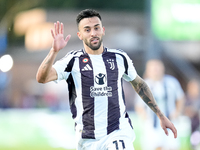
x: 130, y: 71
x: 61, y: 66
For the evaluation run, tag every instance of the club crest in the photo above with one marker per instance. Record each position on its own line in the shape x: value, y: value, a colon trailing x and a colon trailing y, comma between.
x: 112, y: 63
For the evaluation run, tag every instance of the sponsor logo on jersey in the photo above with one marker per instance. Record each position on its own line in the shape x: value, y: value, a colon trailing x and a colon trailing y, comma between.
x: 101, y: 91
x: 86, y: 68
x: 100, y: 78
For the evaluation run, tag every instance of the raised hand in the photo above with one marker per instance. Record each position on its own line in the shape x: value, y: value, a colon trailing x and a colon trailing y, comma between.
x: 58, y: 37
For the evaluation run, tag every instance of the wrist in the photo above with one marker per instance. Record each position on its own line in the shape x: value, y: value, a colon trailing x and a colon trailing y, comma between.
x: 52, y: 50
x: 160, y: 115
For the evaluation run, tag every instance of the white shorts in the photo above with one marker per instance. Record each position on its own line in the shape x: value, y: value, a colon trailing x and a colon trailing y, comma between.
x: 121, y: 139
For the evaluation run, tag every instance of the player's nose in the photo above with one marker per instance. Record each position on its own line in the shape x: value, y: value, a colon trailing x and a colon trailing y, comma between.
x: 93, y: 32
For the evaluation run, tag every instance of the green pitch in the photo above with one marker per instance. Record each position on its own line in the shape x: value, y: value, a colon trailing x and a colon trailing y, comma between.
x: 36, y: 130
x: 45, y: 130
x: 33, y: 148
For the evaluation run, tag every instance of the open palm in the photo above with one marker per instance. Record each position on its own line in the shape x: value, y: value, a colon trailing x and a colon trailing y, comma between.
x: 58, y: 37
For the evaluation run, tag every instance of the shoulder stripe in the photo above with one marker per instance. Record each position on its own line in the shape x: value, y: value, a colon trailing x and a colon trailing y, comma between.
x: 70, y: 65
x: 125, y: 63
x: 77, y: 52
x: 72, y: 95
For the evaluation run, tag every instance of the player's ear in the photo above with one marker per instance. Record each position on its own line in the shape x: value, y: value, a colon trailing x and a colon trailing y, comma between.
x: 104, y: 31
x: 79, y: 35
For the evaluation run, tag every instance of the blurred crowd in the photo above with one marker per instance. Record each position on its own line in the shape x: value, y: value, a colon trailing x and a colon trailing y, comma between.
x: 175, y: 102
x: 33, y: 95
x: 182, y: 108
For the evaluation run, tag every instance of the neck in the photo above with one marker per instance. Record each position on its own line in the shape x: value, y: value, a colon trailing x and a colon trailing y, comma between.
x: 94, y: 52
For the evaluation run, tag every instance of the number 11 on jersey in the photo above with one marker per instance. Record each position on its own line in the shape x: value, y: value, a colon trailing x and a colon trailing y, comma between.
x: 119, y: 144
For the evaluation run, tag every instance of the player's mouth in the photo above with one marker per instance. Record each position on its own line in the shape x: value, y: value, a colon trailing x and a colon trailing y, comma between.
x: 94, y: 40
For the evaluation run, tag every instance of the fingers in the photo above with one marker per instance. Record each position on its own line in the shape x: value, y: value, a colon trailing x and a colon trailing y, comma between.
x: 166, y: 123
x: 166, y: 132
x: 58, y: 28
x: 61, y: 28
x: 67, y: 38
x: 55, y: 28
x: 174, y: 131
x: 52, y: 33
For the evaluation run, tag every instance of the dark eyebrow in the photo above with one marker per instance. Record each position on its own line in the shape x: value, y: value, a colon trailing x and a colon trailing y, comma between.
x: 97, y: 25
x: 89, y: 26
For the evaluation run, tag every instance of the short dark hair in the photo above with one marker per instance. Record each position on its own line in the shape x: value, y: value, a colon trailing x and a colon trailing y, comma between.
x: 87, y: 13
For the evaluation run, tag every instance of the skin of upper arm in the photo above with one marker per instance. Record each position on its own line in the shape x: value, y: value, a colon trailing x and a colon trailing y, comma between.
x: 52, y: 75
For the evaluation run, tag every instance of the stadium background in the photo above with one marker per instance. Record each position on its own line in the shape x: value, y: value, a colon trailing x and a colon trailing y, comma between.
x: 35, y: 116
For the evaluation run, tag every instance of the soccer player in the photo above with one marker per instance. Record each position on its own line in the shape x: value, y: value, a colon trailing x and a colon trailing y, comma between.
x: 94, y: 75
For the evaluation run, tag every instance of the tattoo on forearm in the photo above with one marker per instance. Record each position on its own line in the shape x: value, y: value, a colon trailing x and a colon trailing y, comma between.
x: 144, y: 92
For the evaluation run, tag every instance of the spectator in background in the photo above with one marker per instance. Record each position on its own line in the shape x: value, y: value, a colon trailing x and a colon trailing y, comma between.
x: 192, y: 105
x: 169, y: 97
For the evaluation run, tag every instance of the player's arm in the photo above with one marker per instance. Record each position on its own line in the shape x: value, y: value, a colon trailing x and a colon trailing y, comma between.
x: 144, y: 92
x: 46, y: 72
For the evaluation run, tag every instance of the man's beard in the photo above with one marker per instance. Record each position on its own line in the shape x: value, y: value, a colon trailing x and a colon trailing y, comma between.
x: 93, y: 47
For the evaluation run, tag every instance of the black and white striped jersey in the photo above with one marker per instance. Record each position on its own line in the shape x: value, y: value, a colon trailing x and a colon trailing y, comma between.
x: 95, y: 89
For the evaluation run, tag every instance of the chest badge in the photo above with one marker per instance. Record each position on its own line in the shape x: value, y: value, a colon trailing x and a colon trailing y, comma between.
x: 85, y: 60
x: 112, y: 64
